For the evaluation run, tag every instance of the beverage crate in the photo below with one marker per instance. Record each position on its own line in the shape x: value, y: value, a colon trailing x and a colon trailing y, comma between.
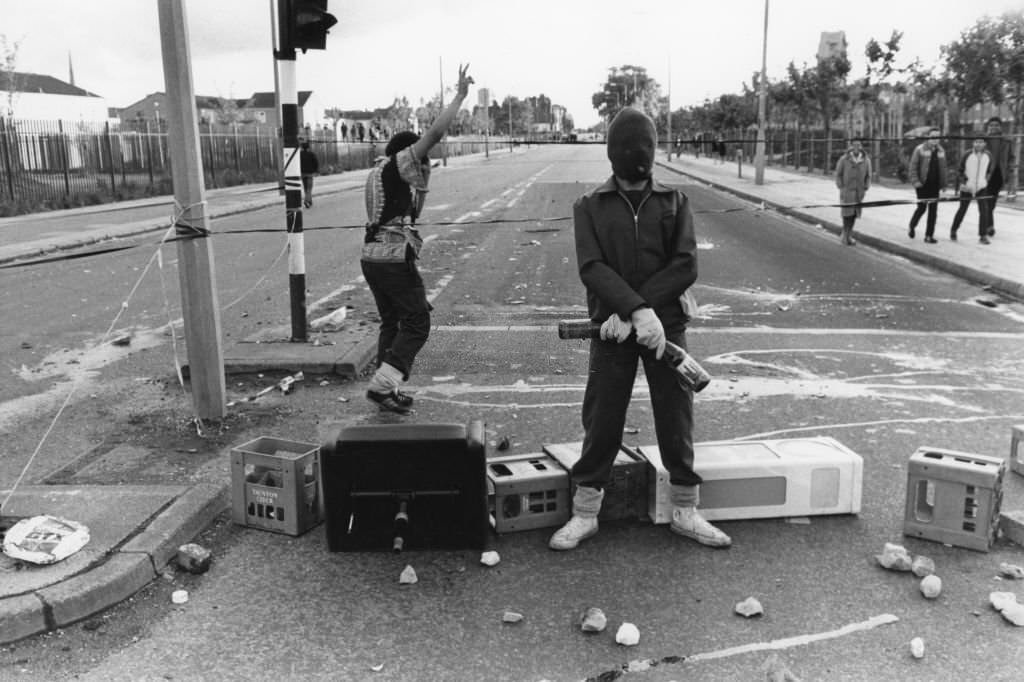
x: 527, y: 491
x: 1017, y: 449
x: 625, y: 495
x: 275, y: 485
x: 763, y: 479
x: 954, y: 497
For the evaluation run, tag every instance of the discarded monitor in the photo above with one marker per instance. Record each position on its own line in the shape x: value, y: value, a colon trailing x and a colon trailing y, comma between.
x: 954, y: 497
x: 529, y: 491
x: 405, y: 486
x: 764, y: 479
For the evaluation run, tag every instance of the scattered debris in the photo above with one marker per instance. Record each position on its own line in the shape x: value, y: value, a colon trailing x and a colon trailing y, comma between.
x: 627, y: 635
x: 408, y: 576
x: 799, y: 520
x: 1012, y: 571
x: 1006, y: 603
x: 632, y: 430
x: 44, y: 539
x: 179, y: 596
x: 330, y: 322
x: 342, y: 399
x: 922, y: 566
x: 894, y: 557
x: 776, y: 671
x: 749, y: 608
x: 987, y: 302
x: 26, y: 345
x: 490, y: 558
x: 593, y: 620
x: 511, y: 617
x: 917, y: 647
x: 123, y: 340
x: 1011, y: 525
x: 325, y: 382
x: 931, y: 586
x: 504, y: 443
x: 640, y: 665
x: 194, y: 558
x: 377, y: 668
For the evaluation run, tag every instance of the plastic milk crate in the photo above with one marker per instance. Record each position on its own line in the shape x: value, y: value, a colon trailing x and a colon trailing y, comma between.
x: 1017, y: 449
x: 625, y: 496
x: 953, y: 497
x: 274, y: 485
x: 764, y: 479
x: 527, y: 491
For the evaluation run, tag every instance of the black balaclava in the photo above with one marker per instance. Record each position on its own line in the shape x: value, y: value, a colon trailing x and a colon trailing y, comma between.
x: 631, y: 142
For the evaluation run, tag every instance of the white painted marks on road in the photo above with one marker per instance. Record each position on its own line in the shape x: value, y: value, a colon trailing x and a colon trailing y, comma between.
x: 799, y: 640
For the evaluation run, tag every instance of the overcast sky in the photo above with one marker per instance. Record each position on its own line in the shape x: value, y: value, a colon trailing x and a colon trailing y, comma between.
x: 386, y: 48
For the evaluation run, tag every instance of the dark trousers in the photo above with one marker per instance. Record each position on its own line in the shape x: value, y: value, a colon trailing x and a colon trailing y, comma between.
x: 984, y: 211
x: 606, y: 399
x: 404, y: 312
x: 932, y: 208
x: 307, y: 187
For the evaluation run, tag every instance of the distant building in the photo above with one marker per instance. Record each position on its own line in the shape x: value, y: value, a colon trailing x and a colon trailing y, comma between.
x: 832, y: 44
x: 483, y: 97
x: 257, y: 109
x: 34, y: 96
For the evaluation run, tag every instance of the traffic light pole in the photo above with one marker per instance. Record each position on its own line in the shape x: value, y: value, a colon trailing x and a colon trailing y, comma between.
x: 289, y: 98
x: 200, y: 309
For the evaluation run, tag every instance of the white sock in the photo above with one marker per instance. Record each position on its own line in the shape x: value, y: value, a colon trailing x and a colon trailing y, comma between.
x: 386, y: 379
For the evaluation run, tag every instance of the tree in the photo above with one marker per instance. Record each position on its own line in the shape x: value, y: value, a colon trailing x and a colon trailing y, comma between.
x: 626, y: 86
x: 9, y: 70
x: 398, y: 116
x: 986, y: 64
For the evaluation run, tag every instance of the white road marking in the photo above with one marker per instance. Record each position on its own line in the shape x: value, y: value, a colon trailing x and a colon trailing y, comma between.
x: 487, y: 204
x: 466, y: 216
x: 799, y: 640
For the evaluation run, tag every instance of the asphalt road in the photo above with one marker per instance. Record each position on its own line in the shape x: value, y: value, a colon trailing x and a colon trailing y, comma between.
x: 803, y: 336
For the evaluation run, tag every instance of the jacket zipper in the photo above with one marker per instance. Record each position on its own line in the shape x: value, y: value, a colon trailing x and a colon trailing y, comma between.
x: 636, y: 224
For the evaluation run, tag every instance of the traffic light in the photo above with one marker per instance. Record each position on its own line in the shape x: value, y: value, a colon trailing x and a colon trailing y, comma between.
x: 307, y: 23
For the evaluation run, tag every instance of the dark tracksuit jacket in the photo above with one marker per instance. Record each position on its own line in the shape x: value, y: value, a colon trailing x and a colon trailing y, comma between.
x: 627, y: 260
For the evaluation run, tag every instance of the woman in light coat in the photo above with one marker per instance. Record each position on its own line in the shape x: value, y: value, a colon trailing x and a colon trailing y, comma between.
x: 853, y: 178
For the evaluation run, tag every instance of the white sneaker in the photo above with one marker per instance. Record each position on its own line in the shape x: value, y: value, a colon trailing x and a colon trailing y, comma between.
x: 577, y: 529
x: 688, y: 522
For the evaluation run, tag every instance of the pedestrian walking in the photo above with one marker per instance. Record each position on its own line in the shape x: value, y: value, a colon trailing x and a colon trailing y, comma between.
x: 637, y: 255
x: 1001, y: 150
x: 719, y: 149
x: 395, y: 191
x: 853, y: 178
x: 309, y: 167
x: 928, y: 176
x: 973, y: 179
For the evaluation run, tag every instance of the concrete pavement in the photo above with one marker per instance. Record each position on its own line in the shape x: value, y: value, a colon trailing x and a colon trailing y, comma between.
x: 137, y: 529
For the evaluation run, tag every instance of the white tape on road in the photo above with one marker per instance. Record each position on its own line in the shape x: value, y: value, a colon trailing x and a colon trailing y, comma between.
x: 799, y: 640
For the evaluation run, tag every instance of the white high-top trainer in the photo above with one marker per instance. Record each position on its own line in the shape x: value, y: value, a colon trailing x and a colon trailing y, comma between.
x: 586, y: 503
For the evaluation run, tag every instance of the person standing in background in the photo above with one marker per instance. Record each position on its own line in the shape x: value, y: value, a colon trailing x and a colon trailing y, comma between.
x: 853, y: 178
x: 1001, y: 150
x: 973, y: 179
x: 309, y: 167
x: 928, y: 176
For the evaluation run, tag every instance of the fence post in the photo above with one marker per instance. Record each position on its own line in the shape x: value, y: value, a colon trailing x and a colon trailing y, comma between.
x: 234, y: 131
x: 149, y: 155
x: 210, y: 147
x: 110, y: 158
x: 6, y: 151
x: 259, y: 164
x: 64, y: 158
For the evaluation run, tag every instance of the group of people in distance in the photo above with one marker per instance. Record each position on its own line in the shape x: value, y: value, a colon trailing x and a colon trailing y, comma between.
x: 980, y: 177
x: 637, y: 256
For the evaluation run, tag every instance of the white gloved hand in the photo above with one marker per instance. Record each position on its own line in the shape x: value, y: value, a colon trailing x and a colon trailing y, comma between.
x: 615, y: 328
x: 649, y: 331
